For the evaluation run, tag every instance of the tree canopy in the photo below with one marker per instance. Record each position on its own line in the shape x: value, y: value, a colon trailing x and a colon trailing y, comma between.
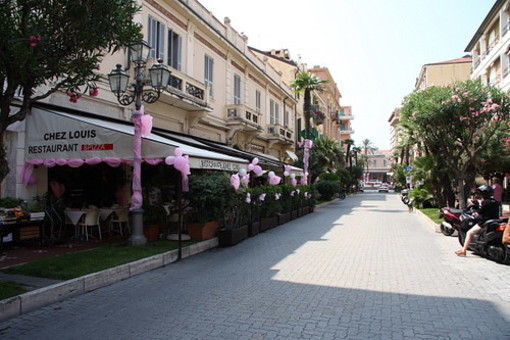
x: 458, y: 124
x: 52, y: 45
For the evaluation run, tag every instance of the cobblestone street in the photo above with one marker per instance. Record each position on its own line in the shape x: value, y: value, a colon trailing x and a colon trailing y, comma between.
x: 361, y: 268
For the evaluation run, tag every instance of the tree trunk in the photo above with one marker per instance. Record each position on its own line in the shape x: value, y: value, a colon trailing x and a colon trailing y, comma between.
x: 306, y: 113
x: 4, y: 164
x: 461, y: 194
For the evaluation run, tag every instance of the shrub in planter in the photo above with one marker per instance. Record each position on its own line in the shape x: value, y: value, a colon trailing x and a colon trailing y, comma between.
x: 209, y: 195
x: 327, y: 189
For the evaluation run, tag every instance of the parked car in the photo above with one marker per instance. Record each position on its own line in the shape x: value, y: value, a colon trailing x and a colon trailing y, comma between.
x: 384, y: 188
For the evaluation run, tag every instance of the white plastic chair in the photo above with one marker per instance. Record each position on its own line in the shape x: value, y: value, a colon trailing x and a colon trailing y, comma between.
x: 118, y: 219
x: 91, y: 220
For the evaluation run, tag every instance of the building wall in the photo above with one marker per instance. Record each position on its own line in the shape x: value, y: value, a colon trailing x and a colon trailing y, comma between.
x: 490, y: 46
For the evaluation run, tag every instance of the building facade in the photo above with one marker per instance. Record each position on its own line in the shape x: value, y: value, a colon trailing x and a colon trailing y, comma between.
x: 490, y: 47
x: 219, y: 93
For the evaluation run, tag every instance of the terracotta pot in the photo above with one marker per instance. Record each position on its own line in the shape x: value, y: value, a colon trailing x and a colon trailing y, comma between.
x: 151, y: 232
x: 203, y: 231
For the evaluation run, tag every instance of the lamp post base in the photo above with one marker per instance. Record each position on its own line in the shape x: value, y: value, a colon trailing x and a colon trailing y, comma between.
x: 137, y: 237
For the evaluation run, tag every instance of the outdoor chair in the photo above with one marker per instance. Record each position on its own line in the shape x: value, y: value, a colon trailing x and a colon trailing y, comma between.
x: 91, y: 220
x: 119, y: 220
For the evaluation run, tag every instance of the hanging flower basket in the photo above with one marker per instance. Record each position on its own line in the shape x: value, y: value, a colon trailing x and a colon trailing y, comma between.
x: 318, y: 117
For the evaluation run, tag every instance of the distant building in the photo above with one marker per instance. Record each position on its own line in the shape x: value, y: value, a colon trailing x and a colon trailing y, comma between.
x: 444, y: 73
x: 379, y: 167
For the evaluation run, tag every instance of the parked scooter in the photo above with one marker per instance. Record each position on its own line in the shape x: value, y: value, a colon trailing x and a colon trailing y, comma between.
x: 451, y: 216
x: 487, y: 243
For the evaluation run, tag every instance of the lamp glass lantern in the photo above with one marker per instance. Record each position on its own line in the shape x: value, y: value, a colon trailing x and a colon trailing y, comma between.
x: 118, y: 80
x: 160, y: 75
x: 140, y: 52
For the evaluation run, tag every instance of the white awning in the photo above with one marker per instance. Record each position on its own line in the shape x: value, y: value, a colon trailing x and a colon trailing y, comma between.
x: 53, y: 134
x: 292, y: 155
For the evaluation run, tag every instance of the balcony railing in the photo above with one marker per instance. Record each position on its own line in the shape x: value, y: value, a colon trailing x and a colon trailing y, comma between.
x: 240, y: 114
x: 183, y: 86
x: 282, y: 132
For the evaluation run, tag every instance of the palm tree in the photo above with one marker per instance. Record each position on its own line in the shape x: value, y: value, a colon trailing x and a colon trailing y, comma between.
x: 349, y: 142
x: 368, y: 148
x: 306, y: 82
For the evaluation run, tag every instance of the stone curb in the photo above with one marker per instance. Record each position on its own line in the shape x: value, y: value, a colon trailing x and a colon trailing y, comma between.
x: 45, y: 296
x: 431, y: 223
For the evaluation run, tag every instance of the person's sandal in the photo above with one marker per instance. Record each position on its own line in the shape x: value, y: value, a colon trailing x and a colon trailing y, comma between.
x: 460, y: 252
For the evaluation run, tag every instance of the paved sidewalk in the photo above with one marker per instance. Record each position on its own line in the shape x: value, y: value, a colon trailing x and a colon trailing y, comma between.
x: 362, y: 268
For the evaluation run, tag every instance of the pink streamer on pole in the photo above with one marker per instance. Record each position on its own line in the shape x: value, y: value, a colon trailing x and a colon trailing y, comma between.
x: 146, y: 121
x: 137, y: 198
x: 306, y: 158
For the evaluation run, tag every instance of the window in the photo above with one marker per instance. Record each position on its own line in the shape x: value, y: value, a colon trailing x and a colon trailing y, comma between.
x: 257, y: 100
x: 374, y: 162
x: 156, y: 39
x: 174, y: 49
x: 274, y: 112
x: 286, y: 118
x: 208, y: 74
x: 237, y: 89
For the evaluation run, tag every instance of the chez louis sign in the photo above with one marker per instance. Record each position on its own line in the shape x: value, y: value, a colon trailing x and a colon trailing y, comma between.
x: 59, y: 135
x: 54, y: 135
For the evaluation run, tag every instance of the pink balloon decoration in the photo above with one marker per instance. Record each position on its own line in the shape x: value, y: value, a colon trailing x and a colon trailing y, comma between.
x: 257, y: 170
x: 275, y: 180
x: 293, y: 182
x: 286, y: 170
x: 235, y: 181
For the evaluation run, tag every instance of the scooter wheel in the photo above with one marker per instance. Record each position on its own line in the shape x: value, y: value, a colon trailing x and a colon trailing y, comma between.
x: 447, y: 231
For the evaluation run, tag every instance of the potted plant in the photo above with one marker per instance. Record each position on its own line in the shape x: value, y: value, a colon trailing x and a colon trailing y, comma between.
x: 153, y: 221
x: 284, y: 215
x: 234, y: 226
x: 208, y: 197
x: 268, y: 197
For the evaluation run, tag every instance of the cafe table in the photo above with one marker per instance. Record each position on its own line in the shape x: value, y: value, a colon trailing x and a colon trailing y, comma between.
x: 75, y: 215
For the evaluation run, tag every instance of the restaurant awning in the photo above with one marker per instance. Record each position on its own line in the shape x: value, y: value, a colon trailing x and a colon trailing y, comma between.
x: 53, y: 134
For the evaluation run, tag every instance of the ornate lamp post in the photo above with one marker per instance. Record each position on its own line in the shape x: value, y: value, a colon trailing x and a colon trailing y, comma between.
x: 119, y: 79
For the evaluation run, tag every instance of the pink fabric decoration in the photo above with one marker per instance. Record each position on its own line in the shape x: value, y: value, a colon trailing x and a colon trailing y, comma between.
x: 61, y: 161
x: 75, y: 162
x: 136, y: 197
x: 93, y: 161
x: 152, y: 161
x: 31, y: 180
x: 146, y: 125
x: 112, y: 161
x: 49, y: 163
x: 36, y: 161
x: 180, y: 163
x: 235, y: 181
x: 304, y: 180
x: 26, y: 173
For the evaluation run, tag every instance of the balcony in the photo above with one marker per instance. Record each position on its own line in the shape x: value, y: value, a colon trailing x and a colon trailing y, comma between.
x: 280, y: 134
x: 345, y: 130
x: 243, y: 118
x: 184, y: 92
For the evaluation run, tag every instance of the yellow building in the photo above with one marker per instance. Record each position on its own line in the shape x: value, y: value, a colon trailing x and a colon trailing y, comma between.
x: 444, y: 73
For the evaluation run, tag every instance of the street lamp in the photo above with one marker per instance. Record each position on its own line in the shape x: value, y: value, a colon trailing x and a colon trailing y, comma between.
x: 159, y: 76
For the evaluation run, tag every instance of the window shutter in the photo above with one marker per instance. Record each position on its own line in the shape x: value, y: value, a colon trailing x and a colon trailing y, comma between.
x: 161, y: 41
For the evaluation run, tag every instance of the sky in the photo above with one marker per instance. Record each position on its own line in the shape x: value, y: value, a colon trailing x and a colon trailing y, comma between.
x: 374, y: 49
